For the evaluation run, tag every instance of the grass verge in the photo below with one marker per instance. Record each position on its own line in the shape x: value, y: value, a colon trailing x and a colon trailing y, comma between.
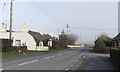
x: 12, y: 54
x: 5, y: 55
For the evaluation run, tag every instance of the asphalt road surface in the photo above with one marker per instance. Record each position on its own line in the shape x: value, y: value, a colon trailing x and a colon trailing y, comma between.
x: 69, y: 59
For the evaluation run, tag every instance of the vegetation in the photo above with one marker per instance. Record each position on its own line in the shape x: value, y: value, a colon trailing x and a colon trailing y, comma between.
x: 6, y: 45
x: 64, y: 40
x: 55, y: 44
x: 102, y: 42
x: 99, y: 46
x: 72, y: 38
x: 16, y: 54
x: 67, y: 39
x: 115, y: 56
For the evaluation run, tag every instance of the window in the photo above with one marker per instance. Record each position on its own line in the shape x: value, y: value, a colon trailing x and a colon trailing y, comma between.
x: 18, y: 42
x: 40, y: 43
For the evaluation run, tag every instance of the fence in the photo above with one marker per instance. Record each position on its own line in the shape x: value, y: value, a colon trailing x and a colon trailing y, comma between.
x: 19, y: 49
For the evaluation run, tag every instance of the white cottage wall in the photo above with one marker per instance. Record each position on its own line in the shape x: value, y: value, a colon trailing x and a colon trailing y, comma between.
x: 23, y: 36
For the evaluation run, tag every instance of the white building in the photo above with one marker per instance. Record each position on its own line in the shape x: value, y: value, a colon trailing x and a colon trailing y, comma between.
x: 33, y: 40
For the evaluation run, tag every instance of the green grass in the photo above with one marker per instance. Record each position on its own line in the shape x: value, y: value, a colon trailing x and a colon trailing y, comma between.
x: 0, y: 54
x: 29, y: 53
x: 12, y: 54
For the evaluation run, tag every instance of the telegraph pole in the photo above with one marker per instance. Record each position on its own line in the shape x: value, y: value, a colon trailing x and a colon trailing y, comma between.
x: 11, y: 6
x: 67, y: 34
x: 10, y: 35
x: 58, y: 32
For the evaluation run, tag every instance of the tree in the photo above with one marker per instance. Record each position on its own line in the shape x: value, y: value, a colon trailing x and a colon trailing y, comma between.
x: 65, y: 39
x: 99, y: 46
x: 107, y: 40
x: 102, y: 42
x: 72, y: 38
x: 55, y: 44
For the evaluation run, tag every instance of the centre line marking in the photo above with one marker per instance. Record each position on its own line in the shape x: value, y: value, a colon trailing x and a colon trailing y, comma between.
x: 67, y: 69
x: 71, y: 65
x: 52, y: 56
x: 46, y: 57
x: 59, y: 54
x: 84, y: 56
x: 28, y: 62
x: 67, y: 52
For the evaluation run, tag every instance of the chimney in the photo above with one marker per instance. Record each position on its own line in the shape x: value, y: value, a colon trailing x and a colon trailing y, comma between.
x: 24, y: 28
x: 3, y: 27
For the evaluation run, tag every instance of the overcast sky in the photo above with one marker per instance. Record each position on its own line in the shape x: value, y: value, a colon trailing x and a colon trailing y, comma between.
x: 86, y: 19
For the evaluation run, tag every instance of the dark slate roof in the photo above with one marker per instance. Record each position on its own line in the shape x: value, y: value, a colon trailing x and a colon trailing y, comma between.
x: 117, y: 37
x: 40, y: 37
x: 36, y: 35
x: 47, y: 36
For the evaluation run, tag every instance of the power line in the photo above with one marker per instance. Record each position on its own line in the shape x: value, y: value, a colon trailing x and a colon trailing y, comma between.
x: 43, y: 10
x: 77, y: 28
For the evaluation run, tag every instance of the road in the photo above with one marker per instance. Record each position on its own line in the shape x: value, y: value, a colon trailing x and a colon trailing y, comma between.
x: 69, y: 59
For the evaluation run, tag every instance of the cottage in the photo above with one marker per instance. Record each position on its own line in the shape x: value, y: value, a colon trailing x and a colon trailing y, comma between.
x: 116, y: 41
x: 26, y: 37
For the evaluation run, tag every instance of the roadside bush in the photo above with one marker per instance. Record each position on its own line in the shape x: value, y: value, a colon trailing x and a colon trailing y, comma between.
x: 55, y: 45
x: 6, y: 45
x: 103, y: 43
x: 100, y: 46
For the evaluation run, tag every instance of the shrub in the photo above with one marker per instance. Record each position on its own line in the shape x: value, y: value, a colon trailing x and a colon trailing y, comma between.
x: 100, y: 46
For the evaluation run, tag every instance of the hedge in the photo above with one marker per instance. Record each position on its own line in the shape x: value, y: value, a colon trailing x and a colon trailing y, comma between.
x: 115, y: 56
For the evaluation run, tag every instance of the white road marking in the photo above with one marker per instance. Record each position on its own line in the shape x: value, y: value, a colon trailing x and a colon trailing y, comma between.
x: 59, y: 54
x: 76, y: 60
x: 1, y: 69
x: 46, y: 57
x: 52, y: 56
x: 65, y: 53
x: 68, y: 52
x: 66, y: 69
x: 73, y: 53
x: 71, y: 65
x: 82, y: 53
x: 28, y: 62
x: 84, y: 56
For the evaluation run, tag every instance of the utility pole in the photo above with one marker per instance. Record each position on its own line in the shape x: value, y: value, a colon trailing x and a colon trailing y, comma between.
x: 10, y: 35
x: 80, y: 39
x: 58, y: 32
x: 11, y: 5
x: 67, y: 34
